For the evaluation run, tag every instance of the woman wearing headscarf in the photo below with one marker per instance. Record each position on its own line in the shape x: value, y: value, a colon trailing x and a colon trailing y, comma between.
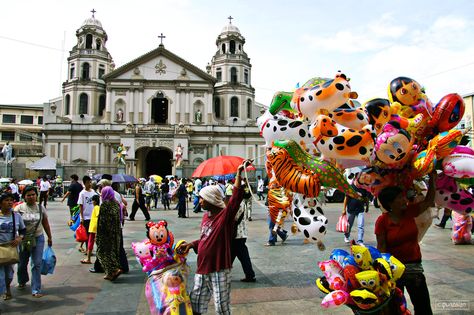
x: 108, y: 234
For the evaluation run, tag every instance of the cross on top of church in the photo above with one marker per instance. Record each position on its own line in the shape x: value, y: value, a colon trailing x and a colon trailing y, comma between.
x: 93, y: 12
x: 161, y: 38
x: 230, y: 19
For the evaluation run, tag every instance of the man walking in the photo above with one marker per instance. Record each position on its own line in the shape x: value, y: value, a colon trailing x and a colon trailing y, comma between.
x: 260, y: 186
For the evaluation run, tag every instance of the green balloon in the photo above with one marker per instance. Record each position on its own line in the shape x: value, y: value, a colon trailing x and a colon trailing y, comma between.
x: 281, y: 101
x: 329, y: 175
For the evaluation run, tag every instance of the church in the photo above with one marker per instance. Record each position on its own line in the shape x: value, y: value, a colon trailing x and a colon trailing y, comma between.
x: 157, y: 114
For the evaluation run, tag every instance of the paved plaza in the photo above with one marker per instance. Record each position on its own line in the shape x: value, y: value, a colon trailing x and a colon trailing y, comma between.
x: 285, y: 273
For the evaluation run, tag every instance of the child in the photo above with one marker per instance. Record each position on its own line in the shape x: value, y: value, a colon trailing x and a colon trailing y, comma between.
x: 92, y: 228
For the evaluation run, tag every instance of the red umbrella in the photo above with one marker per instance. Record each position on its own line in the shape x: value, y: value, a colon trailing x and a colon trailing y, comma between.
x: 221, y: 165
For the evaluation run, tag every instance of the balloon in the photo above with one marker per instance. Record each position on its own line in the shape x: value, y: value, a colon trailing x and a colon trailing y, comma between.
x: 462, y: 149
x: 374, y: 252
x: 329, y: 176
x: 445, y: 142
x: 333, y: 272
x: 362, y: 256
x: 393, y: 146
x: 448, y: 112
x: 338, y: 255
x: 370, y: 280
x: 335, y: 299
x: 372, y: 180
x: 350, y: 272
x: 292, y: 176
x: 323, y: 285
x: 278, y: 200
x: 279, y: 127
x: 459, y: 165
x: 364, y: 299
x: 322, y: 98
x: 143, y: 254
x: 408, y: 98
x: 379, y: 113
x: 382, y: 266
x: 354, y: 118
x: 450, y: 195
x: 309, y: 217
x: 424, y: 162
x: 281, y: 101
x: 395, y: 265
x: 462, y: 225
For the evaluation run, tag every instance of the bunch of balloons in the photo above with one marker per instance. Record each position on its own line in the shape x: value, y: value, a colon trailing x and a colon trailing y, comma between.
x: 316, y: 132
x: 364, y: 280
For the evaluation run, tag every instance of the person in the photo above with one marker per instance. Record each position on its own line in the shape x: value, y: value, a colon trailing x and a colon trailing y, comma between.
x: 355, y: 208
x: 397, y: 234
x: 178, y: 153
x: 12, y: 232
x: 92, y: 229
x: 197, y: 188
x: 214, y: 260
x: 156, y: 195
x: 139, y: 202
x: 108, y: 235
x: 15, y: 192
x: 198, y: 116
x: 228, y: 191
x: 182, y: 194
x: 247, y: 199
x: 444, y: 219
x: 73, y: 192
x: 239, y: 248
x: 189, y: 188
x: 165, y: 198
x: 86, y: 207
x: 260, y: 186
x: 44, y: 190
x: 36, y: 222
x: 148, y: 189
x: 7, y: 152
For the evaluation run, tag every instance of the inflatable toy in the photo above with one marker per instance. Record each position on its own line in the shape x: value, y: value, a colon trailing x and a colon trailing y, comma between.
x: 370, y: 280
x: 459, y: 165
x: 447, y: 113
x: 364, y: 299
x: 323, y: 285
x: 450, y: 195
x: 408, y: 98
x: 393, y: 146
x: 309, y: 218
x: 395, y: 265
x: 334, y: 274
x: 462, y: 225
x: 362, y: 256
x: 335, y: 299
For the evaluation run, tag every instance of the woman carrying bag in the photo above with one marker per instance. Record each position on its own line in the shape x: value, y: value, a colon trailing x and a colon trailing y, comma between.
x: 12, y: 231
x: 36, y: 222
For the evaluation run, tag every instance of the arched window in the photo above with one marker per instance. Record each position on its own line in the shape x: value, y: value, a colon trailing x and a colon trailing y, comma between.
x: 67, y: 105
x: 98, y: 44
x: 217, y: 107
x: 234, y: 107
x: 101, y: 105
x: 88, y: 41
x: 223, y: 48
x: 233, y: 75
x: 249, y: 109
x: 232, y: 47
x: 219, y: 74
x: 83, y: 103
x: 85, y: 71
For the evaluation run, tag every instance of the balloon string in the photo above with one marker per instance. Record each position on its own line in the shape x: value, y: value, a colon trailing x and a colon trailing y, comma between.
x: 250, y: 188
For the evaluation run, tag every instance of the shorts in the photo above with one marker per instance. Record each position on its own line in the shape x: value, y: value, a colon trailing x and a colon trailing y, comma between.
x: 215, y: 283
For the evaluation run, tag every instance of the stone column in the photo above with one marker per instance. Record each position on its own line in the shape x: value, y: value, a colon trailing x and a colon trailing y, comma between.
x: 108, y: 106
x: 177, y: 108
x: 187, y: 107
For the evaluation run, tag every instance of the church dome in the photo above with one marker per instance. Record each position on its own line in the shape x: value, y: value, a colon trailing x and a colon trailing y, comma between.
x: 92, y: 21
x: 229, y: 28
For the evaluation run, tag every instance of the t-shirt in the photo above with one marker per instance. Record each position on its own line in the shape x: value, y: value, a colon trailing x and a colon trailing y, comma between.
x: 401, y: 237
x: 74, y: 191
x: 14, y: 188
x: 45, y: 186
x: 85, y: 199
x: 356, y: 206
x: 94, y: 219
x: 213, y: 247
x: 197, y: 186
x: 31, y: 217
x: 6, y: 226
x: 228, y: 189
x: 260, y: 185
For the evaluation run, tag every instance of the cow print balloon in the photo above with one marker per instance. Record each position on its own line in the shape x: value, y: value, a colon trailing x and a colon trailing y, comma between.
x: 309, y: 217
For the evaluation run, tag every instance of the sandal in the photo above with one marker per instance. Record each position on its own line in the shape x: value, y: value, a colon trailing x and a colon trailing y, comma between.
x: 108, y: 277
x: 81, y: 250
x: 37, y: 295
x: 85, y: 261
x: 116, y: 274
x: 7, y: 296
x: 20, y: 286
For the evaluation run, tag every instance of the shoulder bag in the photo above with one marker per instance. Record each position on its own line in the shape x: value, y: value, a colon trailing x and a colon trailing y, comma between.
x: 9, y: 254
x: 29, y: 241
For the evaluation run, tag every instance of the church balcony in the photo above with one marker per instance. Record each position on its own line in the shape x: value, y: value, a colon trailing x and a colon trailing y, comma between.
x: 89, y: 52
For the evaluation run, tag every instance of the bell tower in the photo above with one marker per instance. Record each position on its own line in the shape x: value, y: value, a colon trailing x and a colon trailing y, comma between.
x: 84, y: 95
x: 234, y: 95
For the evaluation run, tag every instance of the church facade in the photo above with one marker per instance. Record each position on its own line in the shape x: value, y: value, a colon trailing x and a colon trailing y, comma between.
x: 154, y: 109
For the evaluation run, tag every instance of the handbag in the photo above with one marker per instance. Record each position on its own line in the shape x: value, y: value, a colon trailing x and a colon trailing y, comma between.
x: 342, y: 224
x: 8, y: 254
x: 81, y: 234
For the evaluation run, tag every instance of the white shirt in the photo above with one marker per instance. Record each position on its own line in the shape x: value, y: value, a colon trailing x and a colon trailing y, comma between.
x: 85, y: 199
x: 260, y: 185
x: 44, y: 185
x: 14, y: 188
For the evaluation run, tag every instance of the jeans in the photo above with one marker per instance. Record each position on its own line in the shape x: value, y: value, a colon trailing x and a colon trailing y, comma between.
x: 36, y: 255
x: 6, y: 277
x: 272, y: 239
x: 360, y: 226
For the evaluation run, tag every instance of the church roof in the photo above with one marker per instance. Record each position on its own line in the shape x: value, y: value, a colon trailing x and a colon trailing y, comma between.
x: 230, y: 28
x: 92, y: 21
x: 160, y: 51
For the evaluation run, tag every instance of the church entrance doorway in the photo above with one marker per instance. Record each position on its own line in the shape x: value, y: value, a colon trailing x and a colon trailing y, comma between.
x: 158, y: 161
x: 159, y: 110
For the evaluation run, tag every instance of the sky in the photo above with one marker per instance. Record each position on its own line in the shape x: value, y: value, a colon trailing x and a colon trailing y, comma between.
x: 289, y: 42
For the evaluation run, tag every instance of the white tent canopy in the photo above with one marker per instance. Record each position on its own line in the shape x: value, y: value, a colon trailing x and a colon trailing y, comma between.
x: 44, y: 164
